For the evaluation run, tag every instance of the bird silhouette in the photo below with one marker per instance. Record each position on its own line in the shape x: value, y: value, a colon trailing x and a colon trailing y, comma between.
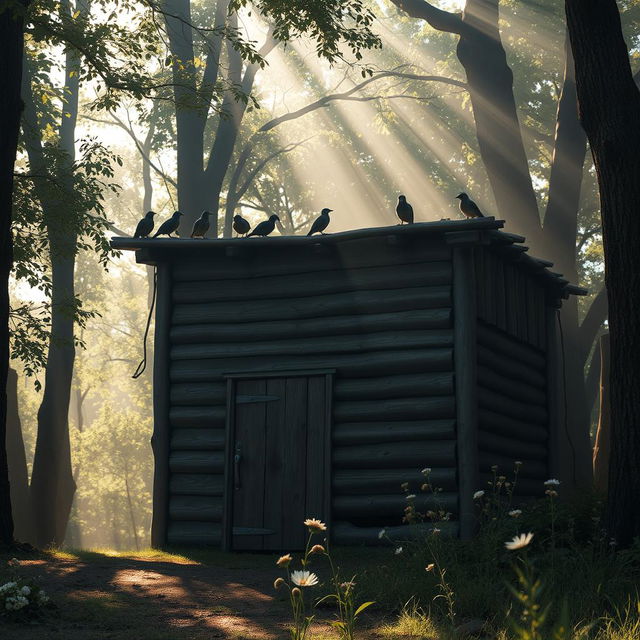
x: 265, y: 227
x: 145, y: 226
x: 169, y: 226
x: 404, y: 210
x: 201, y: 225
x: 321, y: 222
x: 241, y: 226
x: 468, y: 207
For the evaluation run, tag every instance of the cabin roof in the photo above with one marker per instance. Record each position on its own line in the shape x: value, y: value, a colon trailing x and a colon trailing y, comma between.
x: 482, y: 231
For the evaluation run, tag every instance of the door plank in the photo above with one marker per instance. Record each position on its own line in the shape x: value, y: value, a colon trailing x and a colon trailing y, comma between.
x: 248, y: 500
x: 275, y: 505
x: 316, y: 449
x: 294, y: 462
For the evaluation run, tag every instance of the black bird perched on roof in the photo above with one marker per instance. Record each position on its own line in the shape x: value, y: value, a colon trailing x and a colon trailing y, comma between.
x: 404, y: 210
x: 321, y: 222
x: 145, y: 226
x: 201, y: 225
x: 241, y: 226
x: 265, y: 227
x: 169, y: 226
x: 468, y: 207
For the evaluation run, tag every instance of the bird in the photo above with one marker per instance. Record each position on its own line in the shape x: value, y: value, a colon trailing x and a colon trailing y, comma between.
x: 169, y: 226
x: 201, y: 225
x: 241, y: 226
x: 468, y: 207
x: 404, y: 210
x: 145, y: 226
x: 321, y: 222
x: 265, y: 227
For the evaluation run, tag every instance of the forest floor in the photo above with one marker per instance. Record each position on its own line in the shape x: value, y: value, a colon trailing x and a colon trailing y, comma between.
x: 104, y: 595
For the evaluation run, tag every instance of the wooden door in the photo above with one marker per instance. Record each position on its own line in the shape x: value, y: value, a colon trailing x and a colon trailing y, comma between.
x: 278, y: 460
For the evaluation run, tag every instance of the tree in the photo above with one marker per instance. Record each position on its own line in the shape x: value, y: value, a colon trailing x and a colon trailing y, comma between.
x: 609, y: 103
x: 11, y: 46
x: 490, y: 81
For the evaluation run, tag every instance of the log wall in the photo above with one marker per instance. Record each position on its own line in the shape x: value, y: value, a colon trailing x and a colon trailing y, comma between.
x: 382, y: 320
x: 514, y: 423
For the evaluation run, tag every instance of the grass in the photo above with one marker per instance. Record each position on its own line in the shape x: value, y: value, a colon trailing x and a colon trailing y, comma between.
x: 574, y: 560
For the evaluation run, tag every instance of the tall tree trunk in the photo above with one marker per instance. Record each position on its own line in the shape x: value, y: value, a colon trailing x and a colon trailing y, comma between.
x: 609, y: 103
x: 52, y: 483
x: 11, y: 51
x: 602, y: 448
x: 18, y: 472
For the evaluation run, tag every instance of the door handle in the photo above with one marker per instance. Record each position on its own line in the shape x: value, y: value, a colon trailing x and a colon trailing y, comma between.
x: 236, y: 465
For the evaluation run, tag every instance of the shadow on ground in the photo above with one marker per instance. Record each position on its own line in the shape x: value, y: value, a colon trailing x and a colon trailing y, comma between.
x: 155, y: 597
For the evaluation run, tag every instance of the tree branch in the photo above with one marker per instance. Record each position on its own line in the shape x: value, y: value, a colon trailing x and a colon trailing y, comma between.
x: 437, y: 18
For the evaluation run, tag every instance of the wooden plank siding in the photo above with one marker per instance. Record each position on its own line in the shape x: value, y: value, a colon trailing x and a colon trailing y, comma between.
x: 386, y: 329
x: 513, y: 415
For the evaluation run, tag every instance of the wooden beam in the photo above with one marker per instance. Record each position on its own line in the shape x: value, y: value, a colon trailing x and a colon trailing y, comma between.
x: 350, y: 303
x: 310, y: 327
x: 325, y: 344
x: 390, y: 505
x: 347, y: 534
x: 511, y: 427
x: 511, y: 368
x: 411, y: 385
x: 194, y: 533
x: 296, y: 285
x: 347, y: 433
x: 465, y: 359
x: 161, y: 426
x: 395, y: 409
x: 381, y: 481
x: 197, y: 439
x: 196, y: 484
x: 196, y: 462
x: 194, y: 508
x: 396, y: 455
x: 511, y: 348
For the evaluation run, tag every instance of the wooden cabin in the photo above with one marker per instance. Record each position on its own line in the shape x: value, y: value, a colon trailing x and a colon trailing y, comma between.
x: 304, y: 377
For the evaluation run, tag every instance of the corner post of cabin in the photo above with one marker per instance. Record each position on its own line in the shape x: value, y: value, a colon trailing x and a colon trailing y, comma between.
x: 555, y: 382
x: 465, y: 322
x: 161, y: 391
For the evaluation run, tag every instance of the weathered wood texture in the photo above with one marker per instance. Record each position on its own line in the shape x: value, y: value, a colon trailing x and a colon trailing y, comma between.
x: 347, y: 534
x: 510, y: 296
x: 513, y: 415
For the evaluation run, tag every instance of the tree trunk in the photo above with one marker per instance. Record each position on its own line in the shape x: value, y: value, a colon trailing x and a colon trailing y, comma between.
x: 52, y: 483
x: 11, y: 45
x: 18, y: 472
x: 490, y: 82
x: 609, y: 104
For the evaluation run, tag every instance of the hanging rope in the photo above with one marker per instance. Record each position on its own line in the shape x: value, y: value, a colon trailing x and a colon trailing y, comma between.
x: 566, y: 406
x: 143, y: 363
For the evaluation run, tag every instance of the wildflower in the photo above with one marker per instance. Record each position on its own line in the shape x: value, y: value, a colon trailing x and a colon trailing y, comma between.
x: 612, y: 542
x: 478, y: 494
x: 519, y: 542
x: 398, y: 551
x: 425, y: 487
x: 426, y: 471
x: 296, y: 593
x: 348, y: 585
x: 429, y: 567
x: 381, y: 534
x: 279, y: 582
x: 502, y: 478
x: 518, y: 463
x: 14, y: 562
x: 436, y: 532
x: 315, y: 525
x: 304, y: 578
x: 404, y: 486
x: 494, y: 468
x: 317, y: 548
x: 514, y: 513
x: 552, y: 482
x: 551, y: 493
x: 284, y: 561
x: 410, y: 496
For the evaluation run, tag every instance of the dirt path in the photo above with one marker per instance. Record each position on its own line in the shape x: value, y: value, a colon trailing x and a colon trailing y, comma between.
x: 144, y: 598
